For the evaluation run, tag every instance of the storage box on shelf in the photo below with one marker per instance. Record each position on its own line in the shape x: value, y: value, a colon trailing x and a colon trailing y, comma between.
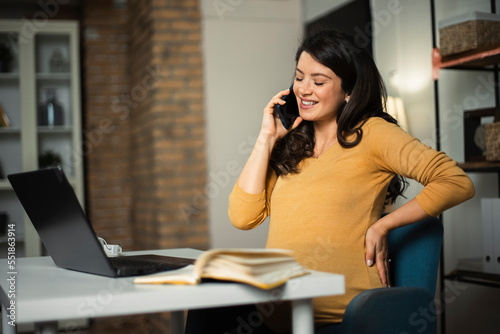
x: 40, y: 96
x: 469, y: 32
x: 493, y: 141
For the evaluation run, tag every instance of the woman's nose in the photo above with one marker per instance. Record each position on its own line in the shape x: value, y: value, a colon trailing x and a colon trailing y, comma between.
x: 304, y: 88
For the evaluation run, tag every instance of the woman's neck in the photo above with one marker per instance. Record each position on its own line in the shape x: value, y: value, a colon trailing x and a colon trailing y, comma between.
x: 325, y: 135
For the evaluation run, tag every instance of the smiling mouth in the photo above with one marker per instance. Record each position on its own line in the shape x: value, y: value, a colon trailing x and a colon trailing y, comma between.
x: 308, y: 103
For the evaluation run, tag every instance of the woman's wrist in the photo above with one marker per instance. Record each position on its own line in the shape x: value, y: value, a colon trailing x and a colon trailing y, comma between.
x: 383, y: 225
x: 409, y: 213
x: 265, y: 142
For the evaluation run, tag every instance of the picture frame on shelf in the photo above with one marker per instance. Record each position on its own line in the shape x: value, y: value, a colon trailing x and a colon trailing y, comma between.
x: 475, y: 133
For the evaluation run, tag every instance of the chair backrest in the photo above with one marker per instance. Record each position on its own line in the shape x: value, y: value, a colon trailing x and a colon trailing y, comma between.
x: 415, y: 252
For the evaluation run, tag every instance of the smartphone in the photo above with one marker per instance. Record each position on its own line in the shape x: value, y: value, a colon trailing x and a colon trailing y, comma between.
x: 289, y: 111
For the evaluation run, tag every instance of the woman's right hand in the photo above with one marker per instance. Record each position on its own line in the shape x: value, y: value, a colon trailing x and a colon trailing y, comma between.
x: 271, y: 123
x: 253, y: 176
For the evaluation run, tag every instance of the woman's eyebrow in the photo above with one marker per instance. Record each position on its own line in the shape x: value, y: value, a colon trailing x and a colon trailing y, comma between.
x: 314, y: 74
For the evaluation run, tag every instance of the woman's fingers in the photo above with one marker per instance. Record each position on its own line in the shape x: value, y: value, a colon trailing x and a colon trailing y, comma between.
x: 383, y: 268
x: 277, y: 99
x: 296, y: 123
x: 377, y: 253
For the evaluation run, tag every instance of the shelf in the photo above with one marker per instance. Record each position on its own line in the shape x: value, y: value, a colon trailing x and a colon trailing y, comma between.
x: 480, y: 166
x: 55, y: 129
x: 483, y: 60
x: 470, y: 60
x: 53, y: 76
x: 9, y: 76
x: 14, y: 131
x: 475, y: 277
x: 23, y: 91
x: 471, y: 270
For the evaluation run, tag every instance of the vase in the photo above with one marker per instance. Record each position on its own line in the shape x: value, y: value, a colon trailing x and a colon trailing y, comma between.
x: 51, y: 111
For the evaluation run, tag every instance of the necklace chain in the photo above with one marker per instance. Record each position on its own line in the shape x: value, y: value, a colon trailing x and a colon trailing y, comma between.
x: 329, y: 144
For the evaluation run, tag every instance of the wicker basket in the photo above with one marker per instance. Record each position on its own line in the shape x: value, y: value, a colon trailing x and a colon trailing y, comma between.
x: 493, y: 141
x: 476, y: 32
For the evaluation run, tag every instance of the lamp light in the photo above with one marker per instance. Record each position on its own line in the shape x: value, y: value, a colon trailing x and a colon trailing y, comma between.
x: 396, y: 109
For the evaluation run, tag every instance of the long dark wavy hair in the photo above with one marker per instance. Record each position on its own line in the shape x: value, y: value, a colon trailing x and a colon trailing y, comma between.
x: 361, y: 79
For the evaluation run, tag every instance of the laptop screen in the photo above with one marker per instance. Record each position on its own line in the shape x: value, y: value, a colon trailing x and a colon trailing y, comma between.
x: 53, y: 208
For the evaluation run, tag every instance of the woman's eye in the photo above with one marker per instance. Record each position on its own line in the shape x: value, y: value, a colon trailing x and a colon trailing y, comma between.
x: 298, y: 79
x: 319, y: 83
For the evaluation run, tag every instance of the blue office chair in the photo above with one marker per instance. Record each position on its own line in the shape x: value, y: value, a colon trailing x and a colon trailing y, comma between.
x: 408, y: 306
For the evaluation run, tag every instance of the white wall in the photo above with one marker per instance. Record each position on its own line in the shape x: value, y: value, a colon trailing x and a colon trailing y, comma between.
x: 249, y: 49
x: 403, y: 45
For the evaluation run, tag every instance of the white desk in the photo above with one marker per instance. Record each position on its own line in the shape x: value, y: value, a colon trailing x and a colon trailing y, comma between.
x: 45, y: 293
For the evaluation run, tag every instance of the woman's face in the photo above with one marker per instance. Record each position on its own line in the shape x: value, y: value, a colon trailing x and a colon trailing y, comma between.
x: 318, y: 90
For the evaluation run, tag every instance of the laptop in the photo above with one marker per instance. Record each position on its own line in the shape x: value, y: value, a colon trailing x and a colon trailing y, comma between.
x: 67, y: 234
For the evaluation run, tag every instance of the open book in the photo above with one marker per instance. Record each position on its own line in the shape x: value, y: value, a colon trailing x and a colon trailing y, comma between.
x: 263, y: 268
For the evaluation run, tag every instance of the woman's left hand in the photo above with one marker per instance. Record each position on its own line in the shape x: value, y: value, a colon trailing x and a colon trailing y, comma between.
x: 377, y: 251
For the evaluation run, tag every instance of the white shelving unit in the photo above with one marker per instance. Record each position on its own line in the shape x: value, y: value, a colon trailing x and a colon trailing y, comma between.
x: 46, y: 58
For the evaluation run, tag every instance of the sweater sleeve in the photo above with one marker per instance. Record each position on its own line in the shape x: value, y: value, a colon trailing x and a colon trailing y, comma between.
x: 445, y: 183
x: 247, y: 211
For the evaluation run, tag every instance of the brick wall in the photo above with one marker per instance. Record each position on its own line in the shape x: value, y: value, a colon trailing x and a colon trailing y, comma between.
x: 107, y: 133
x: 144, y: 121
x: 168, y: 132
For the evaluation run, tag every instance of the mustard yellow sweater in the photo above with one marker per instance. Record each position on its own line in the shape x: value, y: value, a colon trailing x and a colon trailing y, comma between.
x: 323, y: 212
